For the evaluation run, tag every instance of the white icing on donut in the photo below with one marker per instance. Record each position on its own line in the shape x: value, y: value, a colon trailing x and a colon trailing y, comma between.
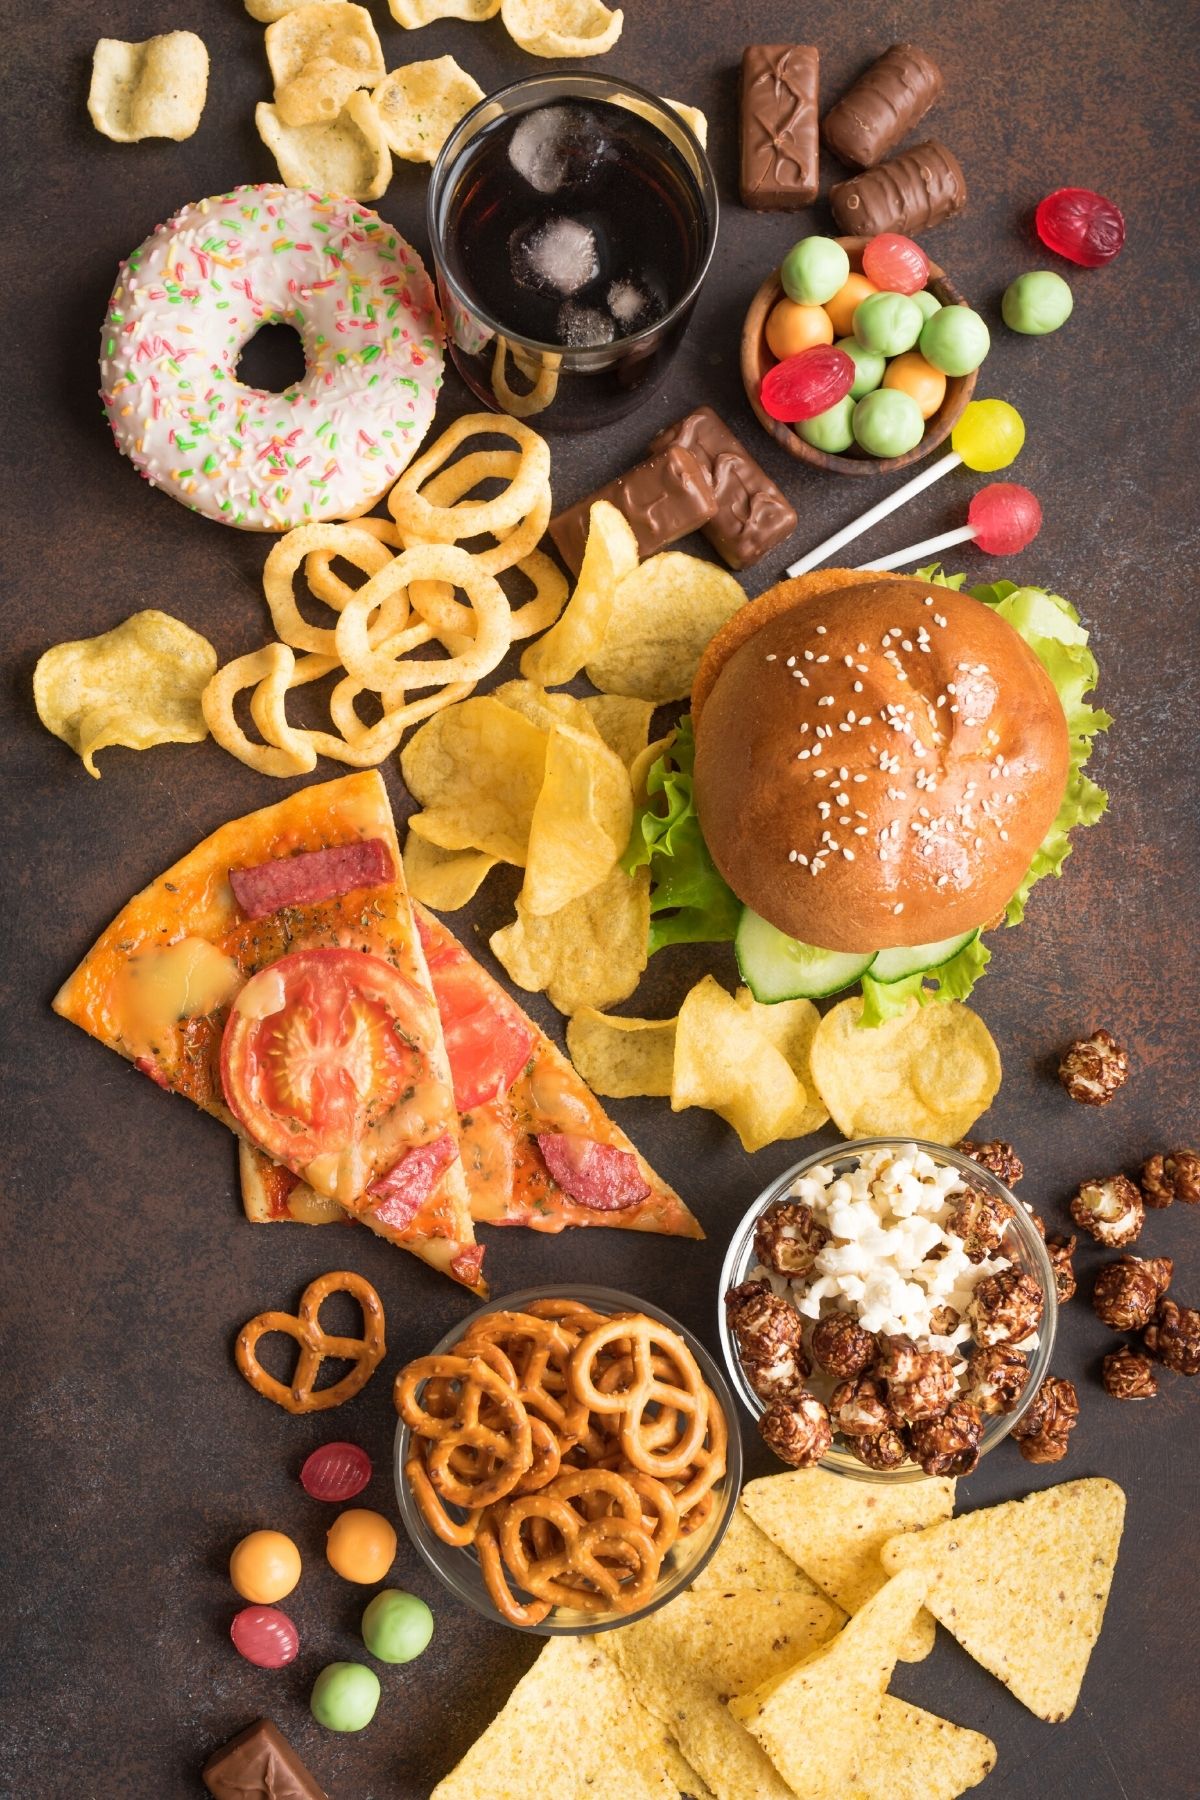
x: 188, y: 301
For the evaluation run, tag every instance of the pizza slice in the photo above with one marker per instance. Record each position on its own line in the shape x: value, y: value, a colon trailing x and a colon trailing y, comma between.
x: 537, y: 1147
x: 276, y: 977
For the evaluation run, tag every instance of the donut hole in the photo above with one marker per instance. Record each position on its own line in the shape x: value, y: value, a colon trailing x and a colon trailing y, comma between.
x: 273, y: 359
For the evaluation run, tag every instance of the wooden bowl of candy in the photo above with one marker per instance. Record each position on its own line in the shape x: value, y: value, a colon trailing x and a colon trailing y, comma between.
x: 940, y: 414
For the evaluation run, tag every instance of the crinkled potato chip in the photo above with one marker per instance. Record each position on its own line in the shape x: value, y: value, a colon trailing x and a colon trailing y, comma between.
x: 928, y: 1074
x: 138, y: 684
x: 477, y: 770
x: 611, y: 554
x: 748, y: 1559
x: 725, y: 1063
x: 349, y: 156
x: 643, y: 763
x: 154, y: 89
x: 591, y: 953
x: 662, y: 616
x: 791, y: 1025
x: 624, y: 724
x: 441, y: 879
x: 581, y: 822
x: 421, y: 104
x: 623, y: 1059
x: 561, y: 27
x: 412, y: 14
x: 333, y: 31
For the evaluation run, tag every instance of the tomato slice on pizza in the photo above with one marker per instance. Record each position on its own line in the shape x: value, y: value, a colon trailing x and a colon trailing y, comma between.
x: 277, y: 978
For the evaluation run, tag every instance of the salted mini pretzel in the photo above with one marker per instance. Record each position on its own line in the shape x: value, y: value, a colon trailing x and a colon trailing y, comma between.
x: 580, y: 1573
x: 517, y: 1612
x: 366, y: 1352
x: 501, y: 1428
x: 539, y: 1351
x: 451, y: 1531
x: 638, y: 1429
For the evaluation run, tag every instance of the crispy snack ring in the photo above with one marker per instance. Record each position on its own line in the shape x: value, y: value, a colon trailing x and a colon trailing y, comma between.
x: 544, y: 379
x: 374, y: 658
x: 424, y: 522
x: 366, y: 1352
x: 647, y: 1390
x: 502, y: 1429
x: 580, y: 1573
x: 269, y: 672
x: 360, y: 548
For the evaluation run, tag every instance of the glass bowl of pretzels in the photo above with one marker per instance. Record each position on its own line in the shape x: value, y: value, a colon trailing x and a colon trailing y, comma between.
x: 567, y: 1459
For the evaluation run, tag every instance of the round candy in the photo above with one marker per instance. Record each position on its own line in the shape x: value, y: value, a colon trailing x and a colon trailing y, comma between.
x: 803, y: 386
x: 955, y: 340
x: 792, y: 328
x: 361, y: 1545
x: 911, y: 374
x: 1004, y: 518
x: 1037, y: 303
x: 813, y: 270
x: 989, y: 435
x: 832, y: 430
x: 265, y: 1636
x: 895, y: 263
x: 887, y: 423
x: 852, y: 292
x: 890, y: 323
x: 1081, y: 225
x: 928, y: 303
x: 336, y: 1472
x: 264, y: 1567
x: 868, y: 366
x: 397, y: 1627
x: 344, y: 1696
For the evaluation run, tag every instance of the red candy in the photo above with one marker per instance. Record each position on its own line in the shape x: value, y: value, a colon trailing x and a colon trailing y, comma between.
x: 1080, y: 225
x: 336, y: 1472
x: 806, y: 384
x: 1004, y: 518
x: 265, y: 1636
x: 895, y: 264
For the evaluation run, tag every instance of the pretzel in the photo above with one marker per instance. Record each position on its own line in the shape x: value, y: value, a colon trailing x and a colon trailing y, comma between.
x: 504, y: 1433
x: 366, y: 1352
x: 709, y: 1465
x: 502, y: 1596
x: 432, y: 1510
x: 539, y: 1350
x: 579, y: 1574
x: 637, y: 1431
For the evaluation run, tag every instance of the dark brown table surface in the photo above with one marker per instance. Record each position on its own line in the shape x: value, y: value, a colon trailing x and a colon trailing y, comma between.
x: 137, y: 1456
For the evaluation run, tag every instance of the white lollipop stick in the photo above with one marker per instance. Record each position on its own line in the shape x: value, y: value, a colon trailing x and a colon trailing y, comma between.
x: 918, y: 552
x: 880, y: 510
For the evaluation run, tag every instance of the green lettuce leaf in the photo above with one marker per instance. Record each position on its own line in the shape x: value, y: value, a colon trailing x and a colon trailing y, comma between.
x: 689, y: 902
x: 953, y: 981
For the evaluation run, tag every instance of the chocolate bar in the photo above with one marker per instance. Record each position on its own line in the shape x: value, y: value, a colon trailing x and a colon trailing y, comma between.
x: 663, y: 498
x: 780, y: 147
x: 752, y: 515
x: 918, y: 189
x: 873, y: 116
x: 259, y: 1764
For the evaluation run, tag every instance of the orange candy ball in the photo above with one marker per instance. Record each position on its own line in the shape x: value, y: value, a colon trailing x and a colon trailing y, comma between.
x: 361, y: 1545
x: 792, y: 328
x: 911, y: 374
x: 264, y: 1567
x: 841, y: 307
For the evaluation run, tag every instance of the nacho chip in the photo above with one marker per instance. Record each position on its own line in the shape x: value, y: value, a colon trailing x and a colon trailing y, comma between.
x: 561, y: 27
x: 591, y: 953
x: 1023, y: 1585
x: 477, y: 770
x: 444, y: 880
x: 835, y: 1529
x: 662, y: 616
x: 348, y: 156
x: 420, y: 104
x: 623, y: 724
x: 154, y: 89
x: 909, y: 1754
x: 581, y: 822
x: 412, y: 14
x: 725, y: 1063
x: 611, y: 554
x: 748, y: 1559
x: 791, y: 1025
x: 138, y: 684
x: 929, y: 1073
x: 331, y: 31
x: 622, y: 1059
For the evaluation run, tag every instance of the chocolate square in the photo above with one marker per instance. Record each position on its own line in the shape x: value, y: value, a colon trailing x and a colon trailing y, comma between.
x: 259, y: 1764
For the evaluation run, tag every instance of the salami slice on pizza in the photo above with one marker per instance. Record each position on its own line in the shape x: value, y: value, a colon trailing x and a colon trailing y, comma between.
x: 276, y: 977
x: 537, y: 1147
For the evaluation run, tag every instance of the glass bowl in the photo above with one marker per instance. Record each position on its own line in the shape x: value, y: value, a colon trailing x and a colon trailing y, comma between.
x: 459, y: 1568
x: 1022, y: 1243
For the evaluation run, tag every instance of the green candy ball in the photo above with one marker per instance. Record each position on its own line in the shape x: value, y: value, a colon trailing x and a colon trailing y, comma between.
x: 344, y: 1696
x: 813, y: 271
x: 396, y: 1627
x: 1037, y: 303
x: 928, y: 303
x: 888, y: 323
x: 869, y: 366
x: 955, y: 340
x: 888, y: 422
x: 832, y: 430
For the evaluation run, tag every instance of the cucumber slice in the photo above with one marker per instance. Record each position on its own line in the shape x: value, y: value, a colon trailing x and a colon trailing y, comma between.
x: 896, y: 965
x: 776, y: 967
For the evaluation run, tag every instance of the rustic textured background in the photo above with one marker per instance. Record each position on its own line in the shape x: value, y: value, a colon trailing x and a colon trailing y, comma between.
x: 137, y: 1456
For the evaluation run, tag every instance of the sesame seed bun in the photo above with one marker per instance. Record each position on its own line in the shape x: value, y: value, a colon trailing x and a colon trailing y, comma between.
x: 899, y: 739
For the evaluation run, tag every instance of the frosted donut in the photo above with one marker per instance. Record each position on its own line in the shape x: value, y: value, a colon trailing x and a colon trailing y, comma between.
x: 188, y: 301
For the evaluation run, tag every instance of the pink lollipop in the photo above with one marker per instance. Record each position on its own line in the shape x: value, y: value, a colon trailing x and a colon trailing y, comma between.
x: 1002, y: 519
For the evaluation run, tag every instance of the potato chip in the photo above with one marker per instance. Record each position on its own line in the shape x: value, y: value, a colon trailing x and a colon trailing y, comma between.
x: 412, y: 14
x: 348, y: 156
x: 835, y: 1529
x: 591, y: 953
x: 138, y: 684
x: 1023, y: 1586
x: 153, y: 89
x: 444, y: 880
x: 421, y: 104
x: 661, y: 618
x: 692, y: 117
x: 477, y: 770
x: 624, y: 724
x: 929, y: 1073
x: 333, y: 31
x: 611, y: 554
x: 748, y: 1559
x: 686, y: 1660
x: 581, y: 822
x: 791, y: 1025
x: 622, y: 1059
x: 265, y: 11
x: 561, y: 27
x: 318, y: 93
x: 723, y: 1062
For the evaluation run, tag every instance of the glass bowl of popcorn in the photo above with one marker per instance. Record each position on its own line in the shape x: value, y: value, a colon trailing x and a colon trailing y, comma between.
x: 887, y: 1311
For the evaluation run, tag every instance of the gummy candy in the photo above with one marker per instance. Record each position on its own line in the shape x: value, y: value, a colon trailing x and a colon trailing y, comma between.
x: 809, y: 383
x: 1004, y: 518
x: 265, y: 1636
x: 1082, y: 226
x: 989, y: 435
x: 336, y: 1472
x: 895, y: 263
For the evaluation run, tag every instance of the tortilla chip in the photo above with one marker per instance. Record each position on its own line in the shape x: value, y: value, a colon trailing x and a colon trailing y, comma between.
x: 661, y: 619
x: 581, y: 821
x: 348, y: 156
x: 623, y: 724
x: 412, y: 14
x: 1023, y: 1585
x: 835, y: 1529
x: 725, y: 1063
x: 591, y: 953
x: 477, y: 770
x: 420, y: 104
x: 622, y: 1059
x: 611, y: 554
x: 561, y: 27
x: 929, y: 1073
x: 907, y: 1754
x: 791, y: 1025
x: 748, y: 1559
x: 444, y: 880
x: 154, y: 89
x: 680, y: 1773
